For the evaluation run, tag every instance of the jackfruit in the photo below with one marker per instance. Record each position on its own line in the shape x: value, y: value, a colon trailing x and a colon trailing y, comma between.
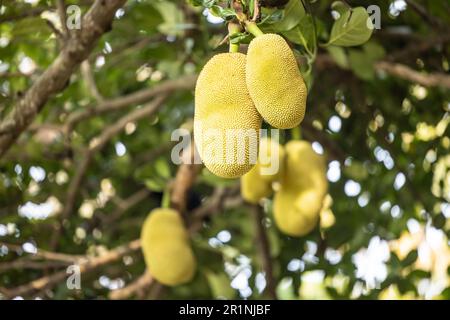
x: 226, y: 122
x: 253, y: 187
x: 296, y: 213
x: 305, y: 168
x: 298, y: 203
x: 257, y: 183
x: 274, y: 81
x: 327, y: 218
x: 271, y: 158
x: 165, y: 245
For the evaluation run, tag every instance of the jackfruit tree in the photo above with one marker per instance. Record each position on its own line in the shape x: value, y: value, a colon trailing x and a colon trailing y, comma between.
x: 209, y: 149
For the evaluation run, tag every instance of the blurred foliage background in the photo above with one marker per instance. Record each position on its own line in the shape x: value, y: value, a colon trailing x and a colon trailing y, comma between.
x: 379, y: 111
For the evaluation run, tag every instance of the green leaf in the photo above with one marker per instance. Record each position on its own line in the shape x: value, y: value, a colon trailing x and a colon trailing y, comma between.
x: 220, y: 285
x: 270, y: 16
x: 303, y: 34
x: 155, y: 185
x: 340, y: 7
x: 223, y: 13
x: 240, y: 37
x: 162, y: 168
x: 374, y: 51
x: 353, y: 28
x: 410, y: 258
x: 339, y: 56
x: 362, y: 62
x: 203, y: 3
x: 439, y: 221
x: 360, y: 66
x: 173, y: 18
x: 293, y: 12
x: 251, y: 7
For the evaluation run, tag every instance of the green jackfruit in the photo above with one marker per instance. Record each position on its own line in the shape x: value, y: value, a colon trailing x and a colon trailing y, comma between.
x: 226, y: 122
x: 298, y: 203
x: 253, y: 187
x: 271, y: 159
x: 296, y: 213
x: 257, y: 183
x: 305, y: 169
x: 165, y: 245
x: 274, y: 81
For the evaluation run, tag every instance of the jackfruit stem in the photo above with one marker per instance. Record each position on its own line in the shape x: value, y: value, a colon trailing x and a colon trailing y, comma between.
x: 234, y: 47
x: 233, y: 28
x: 251, y: 27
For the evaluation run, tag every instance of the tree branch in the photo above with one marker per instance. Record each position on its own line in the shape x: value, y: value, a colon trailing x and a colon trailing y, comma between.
x: 61, y: 7
x: 262, y: 242
x: 397, y: 70
x: 97, y: 143
x: 95, y: 23
x: 86, y: 265
x: 88, y: 76
x: 183, y: 83
x: 184, y: 179
x: 126, y: 205
x: 405, y: 72
x: 140, y: 284
x: 55, y: 256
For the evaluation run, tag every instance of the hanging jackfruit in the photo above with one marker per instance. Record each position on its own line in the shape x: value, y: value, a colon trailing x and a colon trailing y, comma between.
x: 165, y: 245
x: 257, y: 183
x: 296, y: 212
x: 297, y: 205
x: 306, y: 168
x: 271, y: 158
x: 274, y: 81
x: 226, y: 122
x: 253, y: 187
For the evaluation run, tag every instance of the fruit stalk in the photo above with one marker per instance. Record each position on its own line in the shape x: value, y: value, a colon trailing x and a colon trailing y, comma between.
x: 251, y: 27
x: 233, y: 28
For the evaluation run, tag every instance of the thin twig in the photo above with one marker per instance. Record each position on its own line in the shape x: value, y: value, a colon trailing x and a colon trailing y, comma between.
x: 262, y: 242
x: 86, y: 265
x: 140, y: 284
x: 61, y: 7
x: 256, y: 11
x: 144, y: 95
x: 55, y: 256
x: 89, y: 80
x: 405, y: 72
x: 184, y: 179
x: 126, y: 205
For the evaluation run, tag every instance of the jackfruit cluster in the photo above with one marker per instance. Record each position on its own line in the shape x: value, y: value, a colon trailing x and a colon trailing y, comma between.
x: 234, y: 92
x: 257, y: 183
x: 166, y: 248
x: 224, y: 112
x: 298, y: 203
x: 301, y: 196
